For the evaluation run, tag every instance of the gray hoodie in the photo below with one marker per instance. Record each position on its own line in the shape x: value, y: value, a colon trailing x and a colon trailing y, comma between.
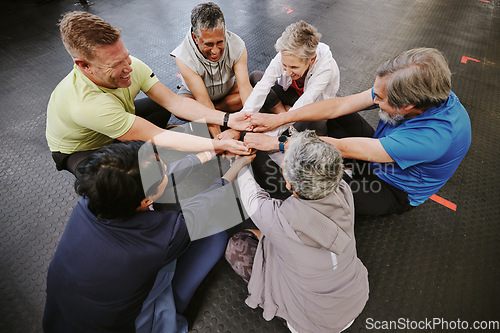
x: 306, y: 269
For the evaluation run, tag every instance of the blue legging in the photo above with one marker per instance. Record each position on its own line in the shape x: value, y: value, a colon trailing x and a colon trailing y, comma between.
x: 193, y: 265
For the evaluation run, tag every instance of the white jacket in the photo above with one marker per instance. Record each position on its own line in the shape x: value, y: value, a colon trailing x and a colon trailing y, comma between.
x: 322, y: 82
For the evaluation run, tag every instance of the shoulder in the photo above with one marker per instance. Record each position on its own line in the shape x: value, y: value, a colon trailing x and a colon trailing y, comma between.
x: 139, y: 66
x: 234, y: 40
x: 323, y: 49
x: 182, y: 47
x: 235, y: 46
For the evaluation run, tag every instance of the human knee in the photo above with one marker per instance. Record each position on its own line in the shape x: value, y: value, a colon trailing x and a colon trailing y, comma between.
x: 255, y: 77
x: 217, y: 243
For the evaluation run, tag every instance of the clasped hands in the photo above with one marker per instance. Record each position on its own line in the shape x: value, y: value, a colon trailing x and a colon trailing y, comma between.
x: 252, y: 123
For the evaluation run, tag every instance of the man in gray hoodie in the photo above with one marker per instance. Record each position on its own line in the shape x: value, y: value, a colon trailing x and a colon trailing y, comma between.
x: 213, y: 63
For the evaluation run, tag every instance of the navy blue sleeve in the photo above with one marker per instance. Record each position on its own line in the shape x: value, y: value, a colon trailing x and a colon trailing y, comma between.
x: 179, y: 240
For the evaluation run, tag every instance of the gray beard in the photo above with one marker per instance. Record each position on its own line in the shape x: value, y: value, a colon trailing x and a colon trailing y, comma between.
x: 393, y: 119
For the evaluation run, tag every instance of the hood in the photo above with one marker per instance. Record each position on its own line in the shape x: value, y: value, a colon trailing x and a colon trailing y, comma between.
x: 213, y: 68
x: 327, y: 222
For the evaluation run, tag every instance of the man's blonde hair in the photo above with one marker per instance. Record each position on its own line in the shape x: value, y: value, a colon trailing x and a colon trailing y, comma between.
x: 82, y: 33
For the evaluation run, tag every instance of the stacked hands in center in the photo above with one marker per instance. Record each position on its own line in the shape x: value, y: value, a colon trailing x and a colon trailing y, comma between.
x: 251, y: 128
x: 304, y: 251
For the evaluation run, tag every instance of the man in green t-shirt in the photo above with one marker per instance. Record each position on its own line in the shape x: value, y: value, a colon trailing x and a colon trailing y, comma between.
x: 95, y: 103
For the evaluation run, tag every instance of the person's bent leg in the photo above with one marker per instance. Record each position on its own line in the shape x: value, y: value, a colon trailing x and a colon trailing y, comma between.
x: 194, y: 264
x: 72, y: 162
x: 151, y: 111
x: 350, y: 125
x: 372, y: 195
x: 272, y: 100
x: 231, y: 102
x: 240, y: 253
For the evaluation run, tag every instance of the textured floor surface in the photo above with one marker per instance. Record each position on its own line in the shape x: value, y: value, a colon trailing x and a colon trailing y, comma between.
x: 432, y: 262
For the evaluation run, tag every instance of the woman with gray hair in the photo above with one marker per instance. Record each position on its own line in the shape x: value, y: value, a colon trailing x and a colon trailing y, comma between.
x: 302, y: 72
x: 301, y: 265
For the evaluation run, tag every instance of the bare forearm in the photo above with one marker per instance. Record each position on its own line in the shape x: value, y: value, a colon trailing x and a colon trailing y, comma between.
x: 366, y: 149
x: 245, y: 91
x: 192, y: 110
x: 184, y: 142
x: 329, y: 108
x: 315, y: 111
x: 231, y: 174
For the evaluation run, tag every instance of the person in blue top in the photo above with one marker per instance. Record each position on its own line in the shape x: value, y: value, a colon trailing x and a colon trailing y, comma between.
x: 122, y: 267
x: 423, y: 134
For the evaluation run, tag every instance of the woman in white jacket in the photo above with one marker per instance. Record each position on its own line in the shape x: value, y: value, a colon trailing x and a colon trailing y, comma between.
x: 302, y: 72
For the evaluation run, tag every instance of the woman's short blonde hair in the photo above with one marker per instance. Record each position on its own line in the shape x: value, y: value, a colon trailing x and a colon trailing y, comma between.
x: 82, y: 33
x: 299, y: 39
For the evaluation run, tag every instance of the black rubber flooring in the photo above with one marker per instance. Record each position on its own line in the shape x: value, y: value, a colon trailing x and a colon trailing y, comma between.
x: 432, y: 262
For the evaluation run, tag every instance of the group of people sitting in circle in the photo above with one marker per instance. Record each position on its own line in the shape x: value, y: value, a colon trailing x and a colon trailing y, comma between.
x: 124, y: 264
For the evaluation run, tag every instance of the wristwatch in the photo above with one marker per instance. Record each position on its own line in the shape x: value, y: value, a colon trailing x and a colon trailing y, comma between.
x: 281, y: 142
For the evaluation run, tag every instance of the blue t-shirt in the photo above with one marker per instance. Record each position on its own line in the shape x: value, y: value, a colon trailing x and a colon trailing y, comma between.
x: 426, y: 149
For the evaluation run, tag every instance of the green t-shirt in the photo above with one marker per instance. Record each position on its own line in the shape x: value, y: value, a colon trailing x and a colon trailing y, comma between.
x: 84, y: 116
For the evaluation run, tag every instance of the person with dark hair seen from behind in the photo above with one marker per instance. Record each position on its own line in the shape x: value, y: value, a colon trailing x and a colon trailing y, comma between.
x: 301, y: 265
x: 423, y: 134
x: 212, y: 62
x: 95, y: 103
x: 120, y: 266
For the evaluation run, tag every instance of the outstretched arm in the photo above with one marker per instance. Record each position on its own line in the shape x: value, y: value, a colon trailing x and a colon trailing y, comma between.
x: 366, y: 149
x: 241, y: 74
x: 326, y: 109
x: 144, y: 130
x: 197, y: 87
x: 184, y: 107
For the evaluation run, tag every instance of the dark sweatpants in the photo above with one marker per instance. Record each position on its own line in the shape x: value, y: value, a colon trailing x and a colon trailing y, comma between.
x: 372, y: 195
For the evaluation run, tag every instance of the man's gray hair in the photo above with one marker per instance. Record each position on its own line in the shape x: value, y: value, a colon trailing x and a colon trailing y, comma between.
x: 418, y: 76
x: 313, y: 167
x: 206, y: 16
x: 299, y: 39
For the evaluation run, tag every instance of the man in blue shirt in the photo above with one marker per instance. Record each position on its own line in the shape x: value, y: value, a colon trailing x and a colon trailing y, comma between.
x: 423, y: 134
